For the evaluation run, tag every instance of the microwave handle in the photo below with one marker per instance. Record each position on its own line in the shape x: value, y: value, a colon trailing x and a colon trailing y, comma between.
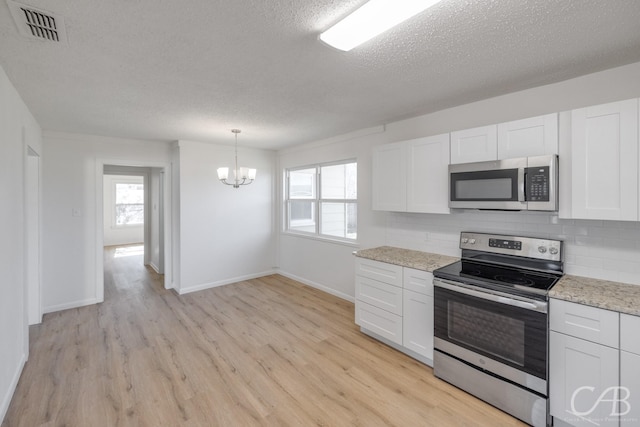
x: 521, y: 185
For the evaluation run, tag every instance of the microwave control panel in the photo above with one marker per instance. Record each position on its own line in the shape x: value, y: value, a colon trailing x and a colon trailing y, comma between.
x: 537, y: 184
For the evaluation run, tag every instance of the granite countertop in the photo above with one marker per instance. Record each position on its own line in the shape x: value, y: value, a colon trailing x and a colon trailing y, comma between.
x: 406, y: 257
x: 604, y: 294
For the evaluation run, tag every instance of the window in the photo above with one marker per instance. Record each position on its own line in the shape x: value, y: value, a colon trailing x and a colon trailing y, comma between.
x: 322, y: 199
x: 129, y: 197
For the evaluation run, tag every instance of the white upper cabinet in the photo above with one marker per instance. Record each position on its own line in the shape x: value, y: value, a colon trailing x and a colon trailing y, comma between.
x: 535, y: 136
x: 428, y: 175
x: 474, y: 145
x: 389, y: 180
x: 412, y: 176
x: 604, y: 161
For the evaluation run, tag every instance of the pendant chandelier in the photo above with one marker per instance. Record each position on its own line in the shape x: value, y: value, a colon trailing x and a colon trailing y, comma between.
x: 241, y: 176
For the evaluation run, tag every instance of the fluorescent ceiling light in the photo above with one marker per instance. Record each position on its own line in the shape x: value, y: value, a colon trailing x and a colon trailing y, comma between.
x: 373, y: 18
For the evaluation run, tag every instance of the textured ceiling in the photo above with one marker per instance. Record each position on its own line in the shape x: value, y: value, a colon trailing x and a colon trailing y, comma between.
x: 168, y: 70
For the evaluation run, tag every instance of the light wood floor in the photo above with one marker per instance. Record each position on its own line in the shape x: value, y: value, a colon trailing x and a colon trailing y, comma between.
x: 268, y: 351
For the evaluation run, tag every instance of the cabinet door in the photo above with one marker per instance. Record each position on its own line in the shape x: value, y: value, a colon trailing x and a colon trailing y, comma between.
x: 474, y: 145
x: 389, y: 180
x: 629, y: 389
x: 580, y: 372
x: 428, y: 174
x: 535, y: 136
x: 604, y: 146
x: 417, y: 323
x: 629, y: 370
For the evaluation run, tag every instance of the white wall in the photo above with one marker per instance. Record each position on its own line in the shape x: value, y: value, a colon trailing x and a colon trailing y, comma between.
x: 18, y: 130
x: 114, y: 235
x: 329, y: 265
x: 70, y: 184
x: 600, y: 249
x: 226, y: 234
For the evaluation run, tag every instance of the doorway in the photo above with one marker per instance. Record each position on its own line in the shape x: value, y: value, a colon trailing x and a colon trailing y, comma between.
x: 133, y: 207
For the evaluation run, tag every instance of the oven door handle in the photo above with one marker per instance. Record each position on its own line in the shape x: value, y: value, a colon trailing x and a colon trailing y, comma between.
x: 540, y: 306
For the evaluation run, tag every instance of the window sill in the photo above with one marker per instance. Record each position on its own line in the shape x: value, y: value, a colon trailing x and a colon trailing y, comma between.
x: 349, y: 243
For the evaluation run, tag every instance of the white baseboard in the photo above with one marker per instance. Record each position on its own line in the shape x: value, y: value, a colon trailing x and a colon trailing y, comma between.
x: 209, y: 285
x: 155, y: 267
x: 6, y: 399
x: 68, y: 305
x: 313, y: 284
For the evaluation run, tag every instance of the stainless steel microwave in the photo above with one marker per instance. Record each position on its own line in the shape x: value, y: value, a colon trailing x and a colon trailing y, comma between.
x: 526, y: 183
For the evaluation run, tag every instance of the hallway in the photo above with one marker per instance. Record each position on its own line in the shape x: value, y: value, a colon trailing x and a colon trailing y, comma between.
x: 125, y: 273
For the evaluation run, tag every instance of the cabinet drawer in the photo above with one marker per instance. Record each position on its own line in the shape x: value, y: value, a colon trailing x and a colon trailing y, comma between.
x: 381, y: 271
x: 630, y: 334
x: 381, y: 322
x: 418, y: 281
x: 379, y: 294
x: 582, y: 321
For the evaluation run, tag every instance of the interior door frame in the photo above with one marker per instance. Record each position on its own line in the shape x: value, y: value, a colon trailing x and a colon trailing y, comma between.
x: 165, y: 169
x: 33, y: 235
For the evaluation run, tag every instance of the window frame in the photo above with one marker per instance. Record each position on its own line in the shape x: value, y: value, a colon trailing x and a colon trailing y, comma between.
x: 114, y: 185
x: 317, y: 202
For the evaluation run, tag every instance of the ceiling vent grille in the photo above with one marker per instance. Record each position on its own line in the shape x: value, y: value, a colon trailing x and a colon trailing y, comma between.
x: 37, y: 24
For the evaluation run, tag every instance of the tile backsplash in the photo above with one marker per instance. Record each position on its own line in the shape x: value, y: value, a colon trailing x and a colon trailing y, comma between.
x: 607, y: 250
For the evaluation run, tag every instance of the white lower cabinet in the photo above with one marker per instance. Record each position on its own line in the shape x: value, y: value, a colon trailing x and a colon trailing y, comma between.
x: 580, y: 373
x: 396, y: 304
x: 594, y: 366
x: 379, y: 321
x: 629, y: 389
x: 417, y: 323
x: 629, y: 370
x: 379, y: 294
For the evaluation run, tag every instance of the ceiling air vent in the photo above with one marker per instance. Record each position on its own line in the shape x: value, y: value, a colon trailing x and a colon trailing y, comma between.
x: 37, y: 24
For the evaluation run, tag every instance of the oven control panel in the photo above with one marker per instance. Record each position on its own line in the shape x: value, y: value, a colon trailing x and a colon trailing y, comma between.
x: 531, y: 247
x: 505, y: 244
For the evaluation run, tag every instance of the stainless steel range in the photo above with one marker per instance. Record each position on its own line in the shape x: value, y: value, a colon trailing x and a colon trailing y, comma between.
x: 491, y: 321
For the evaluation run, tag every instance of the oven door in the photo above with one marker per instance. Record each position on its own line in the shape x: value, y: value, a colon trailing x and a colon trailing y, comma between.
x: 502, y: 334
x: 488, y: 185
